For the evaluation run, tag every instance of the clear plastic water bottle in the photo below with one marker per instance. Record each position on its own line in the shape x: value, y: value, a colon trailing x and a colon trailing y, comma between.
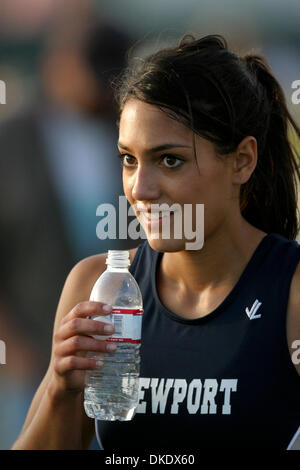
x: 111, y: 392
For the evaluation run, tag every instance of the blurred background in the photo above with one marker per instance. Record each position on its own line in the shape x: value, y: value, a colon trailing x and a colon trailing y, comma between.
x: 58, y: 139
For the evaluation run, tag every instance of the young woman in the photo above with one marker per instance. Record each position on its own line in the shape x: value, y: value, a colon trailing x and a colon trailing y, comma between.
x: 219, y: 364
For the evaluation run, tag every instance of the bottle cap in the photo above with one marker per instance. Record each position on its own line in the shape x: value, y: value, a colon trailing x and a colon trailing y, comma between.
x: 118, y: 258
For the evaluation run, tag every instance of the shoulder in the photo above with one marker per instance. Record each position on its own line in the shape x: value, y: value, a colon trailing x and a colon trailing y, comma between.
x: 96, y: 263
x: 293, y: 319
x: 85, y: 273
x: 80, y: 281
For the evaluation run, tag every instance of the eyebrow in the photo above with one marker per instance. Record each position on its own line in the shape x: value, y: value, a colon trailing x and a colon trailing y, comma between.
x: 158, y: 148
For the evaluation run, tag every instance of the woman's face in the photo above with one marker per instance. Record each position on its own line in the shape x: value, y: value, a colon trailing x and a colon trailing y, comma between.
x: 159, y: 167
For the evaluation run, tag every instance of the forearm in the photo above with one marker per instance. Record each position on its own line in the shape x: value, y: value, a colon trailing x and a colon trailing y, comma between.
x: 57, y: 424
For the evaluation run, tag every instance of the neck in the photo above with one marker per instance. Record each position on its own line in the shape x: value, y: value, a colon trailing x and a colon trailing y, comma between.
x: 224, y: 255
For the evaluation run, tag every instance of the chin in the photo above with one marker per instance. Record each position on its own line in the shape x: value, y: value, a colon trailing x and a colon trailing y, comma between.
x: 159, y: 244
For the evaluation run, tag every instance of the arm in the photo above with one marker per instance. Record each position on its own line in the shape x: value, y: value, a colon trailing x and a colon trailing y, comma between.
x: 293, y: 330
x: 293, y: 319
x: 56, y: 418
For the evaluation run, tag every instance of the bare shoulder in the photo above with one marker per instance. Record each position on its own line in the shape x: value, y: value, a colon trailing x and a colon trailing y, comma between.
x: 79, y: 283
x: 293, y: 319
x: 86, y: 272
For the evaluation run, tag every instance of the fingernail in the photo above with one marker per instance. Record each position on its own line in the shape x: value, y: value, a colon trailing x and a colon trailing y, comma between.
x: 99, y: 363
x: 107, y: 308
x: 111, y: 347
x: 108, y: 329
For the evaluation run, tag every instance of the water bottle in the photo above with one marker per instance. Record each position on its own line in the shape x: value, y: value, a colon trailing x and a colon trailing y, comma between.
x: 111, y: 392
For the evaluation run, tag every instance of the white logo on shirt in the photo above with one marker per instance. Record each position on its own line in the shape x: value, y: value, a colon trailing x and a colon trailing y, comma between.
x: 251, y: 313
x: 172, y: 396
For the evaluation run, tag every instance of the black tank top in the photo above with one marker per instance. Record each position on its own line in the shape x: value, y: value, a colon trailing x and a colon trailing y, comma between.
x: 225, y: 380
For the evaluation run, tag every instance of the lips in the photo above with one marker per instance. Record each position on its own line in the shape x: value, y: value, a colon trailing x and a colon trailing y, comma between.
x: 156, y: 215
x: 155, y: 218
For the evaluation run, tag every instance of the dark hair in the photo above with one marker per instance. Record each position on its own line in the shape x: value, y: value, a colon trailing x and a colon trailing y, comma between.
x: 224, y: 97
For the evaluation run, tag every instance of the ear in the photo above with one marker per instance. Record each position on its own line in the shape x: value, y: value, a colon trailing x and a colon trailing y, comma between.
x: 244, y: 160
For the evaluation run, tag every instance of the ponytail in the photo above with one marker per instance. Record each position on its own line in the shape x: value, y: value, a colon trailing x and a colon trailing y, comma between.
x: 269, y: 199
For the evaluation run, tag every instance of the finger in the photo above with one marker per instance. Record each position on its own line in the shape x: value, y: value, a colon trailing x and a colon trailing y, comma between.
x: 86, y: 309
x: 77, y: 344
x: 82, y: 326
x: 70, y: 363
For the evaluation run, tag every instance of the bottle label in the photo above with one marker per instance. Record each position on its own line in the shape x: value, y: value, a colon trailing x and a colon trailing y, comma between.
x: 128, y: 325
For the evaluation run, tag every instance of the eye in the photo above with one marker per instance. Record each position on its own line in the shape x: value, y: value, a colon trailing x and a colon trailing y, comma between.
x: 126, y: 160
x: 171, y: 161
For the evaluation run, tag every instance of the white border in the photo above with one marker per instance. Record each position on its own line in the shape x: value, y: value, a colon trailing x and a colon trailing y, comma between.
x: 293, y: 440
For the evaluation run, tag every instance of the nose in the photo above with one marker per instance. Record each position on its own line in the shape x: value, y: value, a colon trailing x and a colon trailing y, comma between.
x: 145, y: 185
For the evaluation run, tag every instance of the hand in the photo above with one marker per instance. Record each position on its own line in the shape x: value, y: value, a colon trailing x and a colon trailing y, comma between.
x: 72, y: 341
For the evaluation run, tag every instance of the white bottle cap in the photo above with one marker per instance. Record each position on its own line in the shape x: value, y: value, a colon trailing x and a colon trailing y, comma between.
x: 118, y: 258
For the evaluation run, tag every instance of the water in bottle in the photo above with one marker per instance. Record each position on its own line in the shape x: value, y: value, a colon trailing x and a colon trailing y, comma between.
x: 111, y: 392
